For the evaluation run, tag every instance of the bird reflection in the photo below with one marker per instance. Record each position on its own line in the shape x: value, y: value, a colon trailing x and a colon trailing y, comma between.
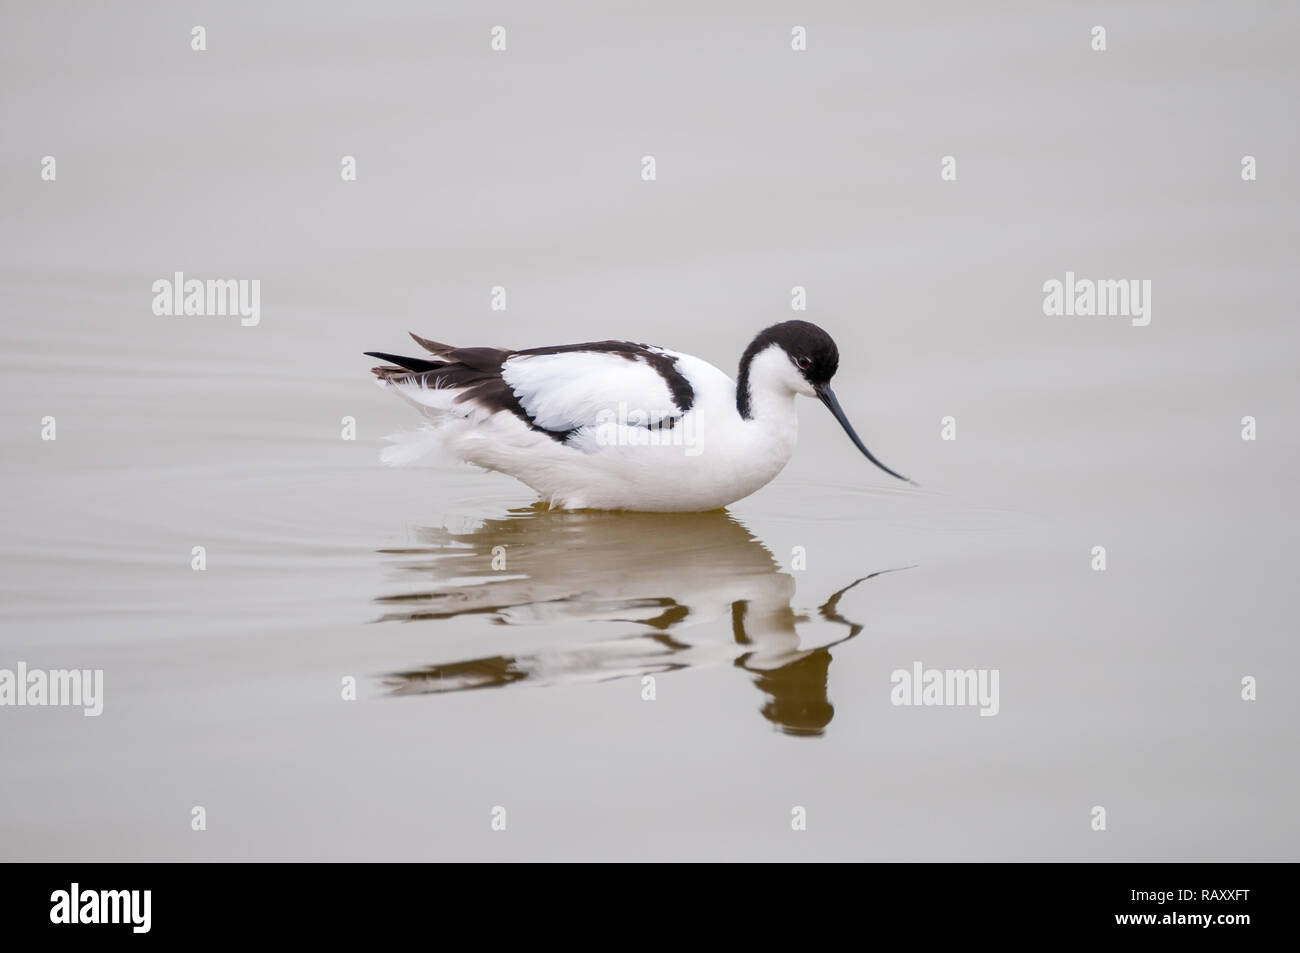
x: 668, y: 574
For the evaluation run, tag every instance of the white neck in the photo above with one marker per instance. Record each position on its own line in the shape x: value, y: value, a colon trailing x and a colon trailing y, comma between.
x: 773, y: 384
x: 773, y: 409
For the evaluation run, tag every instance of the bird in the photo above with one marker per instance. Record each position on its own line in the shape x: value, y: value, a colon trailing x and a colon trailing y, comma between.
x: 614, y: 425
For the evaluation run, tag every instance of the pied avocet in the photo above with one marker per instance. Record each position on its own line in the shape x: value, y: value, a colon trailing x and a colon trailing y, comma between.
x: 613, y: 425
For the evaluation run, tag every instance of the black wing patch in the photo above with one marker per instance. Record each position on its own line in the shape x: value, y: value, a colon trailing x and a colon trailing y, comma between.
x: 476, y: 372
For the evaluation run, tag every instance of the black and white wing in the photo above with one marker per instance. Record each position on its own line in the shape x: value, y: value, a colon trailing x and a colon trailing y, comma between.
x: 556, y: 390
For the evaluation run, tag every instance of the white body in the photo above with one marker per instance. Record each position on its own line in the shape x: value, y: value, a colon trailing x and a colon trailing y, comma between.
x: 711, y: 456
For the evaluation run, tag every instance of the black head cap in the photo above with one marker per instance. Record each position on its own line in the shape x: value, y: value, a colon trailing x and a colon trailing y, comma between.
x: 811, y: 350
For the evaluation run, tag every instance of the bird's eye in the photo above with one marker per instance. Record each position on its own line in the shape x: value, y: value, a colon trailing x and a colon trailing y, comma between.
x: 803, y: 363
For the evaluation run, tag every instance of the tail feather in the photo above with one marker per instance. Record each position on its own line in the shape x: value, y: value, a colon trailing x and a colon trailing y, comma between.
x: 464, y: 385
x: 402, y: 366
x: 433, y: 347
x: 487, y: 359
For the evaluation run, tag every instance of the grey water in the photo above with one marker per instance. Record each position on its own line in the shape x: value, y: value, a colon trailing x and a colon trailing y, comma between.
x: 631, y: 686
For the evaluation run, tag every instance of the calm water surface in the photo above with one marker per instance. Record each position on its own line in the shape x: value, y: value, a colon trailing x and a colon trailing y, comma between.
x: 770, y: 630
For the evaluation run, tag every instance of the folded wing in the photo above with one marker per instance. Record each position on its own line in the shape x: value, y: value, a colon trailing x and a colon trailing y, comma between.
x: 556, y: 390
x: 567, y: 390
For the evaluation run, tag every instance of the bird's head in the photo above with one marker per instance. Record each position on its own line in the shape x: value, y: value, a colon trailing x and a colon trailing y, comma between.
x: 797, y: 357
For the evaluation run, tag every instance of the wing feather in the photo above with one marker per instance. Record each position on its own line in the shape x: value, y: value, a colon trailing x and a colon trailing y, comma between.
x: 557, y: 390
x: 570, y: 390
